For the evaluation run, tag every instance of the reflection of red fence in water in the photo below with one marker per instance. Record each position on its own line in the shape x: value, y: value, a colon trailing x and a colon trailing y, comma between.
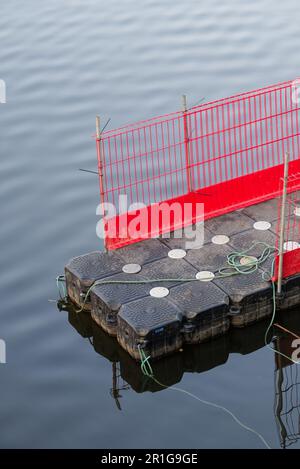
x: 287, y: 393
x: 226, y: 154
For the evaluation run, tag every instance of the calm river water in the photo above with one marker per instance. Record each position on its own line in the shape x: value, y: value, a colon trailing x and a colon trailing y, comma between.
x: 64, y: 61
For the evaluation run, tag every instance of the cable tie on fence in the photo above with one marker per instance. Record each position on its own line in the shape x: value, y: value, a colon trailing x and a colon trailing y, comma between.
x: 88, y: 171
x: 107, y: 122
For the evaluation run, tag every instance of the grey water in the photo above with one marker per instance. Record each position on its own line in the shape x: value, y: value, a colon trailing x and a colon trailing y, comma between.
x: 63, y: 62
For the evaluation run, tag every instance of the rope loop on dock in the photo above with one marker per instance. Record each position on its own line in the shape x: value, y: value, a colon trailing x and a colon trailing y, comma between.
x: 235, y: 266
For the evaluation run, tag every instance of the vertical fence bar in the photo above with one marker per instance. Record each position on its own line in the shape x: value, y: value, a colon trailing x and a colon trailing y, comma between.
x: 100, y: 165
x: 282, y: 222
x: 186, y: 143
x: 100, y: 159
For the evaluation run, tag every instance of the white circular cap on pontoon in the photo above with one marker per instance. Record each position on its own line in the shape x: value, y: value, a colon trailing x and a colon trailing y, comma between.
x: 220, y: 239
x: 205, y: 276
x: 159, y: 292
x: 131, y: 268
x: 248, y: 260
x: 290, y: 245
x: 262, y: 225
x: 297, y: 211
x: 177, y: 253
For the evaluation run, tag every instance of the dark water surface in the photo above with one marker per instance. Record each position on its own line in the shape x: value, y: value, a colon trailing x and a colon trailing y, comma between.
x: 64, y: 61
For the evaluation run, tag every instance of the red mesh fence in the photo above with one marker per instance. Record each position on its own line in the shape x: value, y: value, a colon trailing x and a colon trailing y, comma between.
x: 226, y: 154
x: 291, y: 236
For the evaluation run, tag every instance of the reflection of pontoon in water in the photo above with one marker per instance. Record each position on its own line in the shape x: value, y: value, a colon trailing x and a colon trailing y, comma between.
x: 198, y: 359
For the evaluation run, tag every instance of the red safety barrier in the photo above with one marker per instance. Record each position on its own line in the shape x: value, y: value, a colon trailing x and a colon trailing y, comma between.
x: 291, y: 235
x: 226, y: 154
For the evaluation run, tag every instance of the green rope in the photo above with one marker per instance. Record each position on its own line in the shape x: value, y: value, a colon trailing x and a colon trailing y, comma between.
x: 145, y: 363
x: 253, y: 264
x: 147, y: 371
x: 233, y: 267
x: 270, y: 326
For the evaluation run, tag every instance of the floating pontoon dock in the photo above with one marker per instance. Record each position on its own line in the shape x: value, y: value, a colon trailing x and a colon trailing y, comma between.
x: 156, y: 293
x: 192, y: 312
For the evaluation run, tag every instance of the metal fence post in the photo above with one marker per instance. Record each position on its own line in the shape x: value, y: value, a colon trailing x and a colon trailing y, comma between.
x: 186, y: 143
x: 282, y: 222
x: 100, y: 165
x: 99, y: 155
